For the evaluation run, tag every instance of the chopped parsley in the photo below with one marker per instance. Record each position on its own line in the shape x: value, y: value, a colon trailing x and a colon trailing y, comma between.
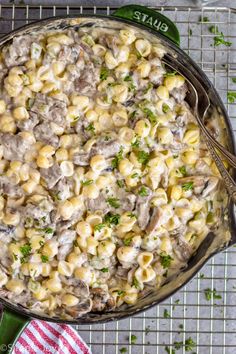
x: 211, y: 294
x: 190, y: 32
x: 41, y: 243
x: 234, y: 80
x: 113, y: 202
x: 120, y: 292
x: 189, y: 344
x: 90, y: 128
x: 127, y: 241
x: 133, y: 339
x: 214, y: 29
x: 132, y: 115
x: 123, y: 350
x: 143, y: 157
x: 202, y: 276
x: 150, y: 115
x: 169, y: 350
x: 117, y: 158
x: 104, y: 73
x: 181, y: 326
x: 48, y: 230
x: 136, y: 143
x: 166, y: 314
x: 128, y: 78
x: 231, y: 96
x: 120, y: 183
x: 171, y: 73
x: 135, y: 175
x: 26, y: 249
x: 143, y: 192
x: 104, y: 270
x: 204, y: 19
x: 132, y: 215
x: 44, y: 258
x: 165, y: 260
x: 136, y: 283
x: 183, y: 171
x: 87, y: 182
x: 220, y: 39
x: 112, y: 219
x: 99, y: 227
x: 188, y: 186
x: 15, y: 257
x: 149, y: 87
x: 165, y: 108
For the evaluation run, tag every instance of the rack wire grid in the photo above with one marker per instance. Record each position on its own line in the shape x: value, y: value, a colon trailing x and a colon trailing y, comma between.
x: 188, y: 316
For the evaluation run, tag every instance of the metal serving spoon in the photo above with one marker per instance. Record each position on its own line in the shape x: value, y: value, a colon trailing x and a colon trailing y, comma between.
x: 199, y: 113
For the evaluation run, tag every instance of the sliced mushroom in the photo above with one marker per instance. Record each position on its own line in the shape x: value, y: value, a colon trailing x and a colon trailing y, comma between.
x: 201, y: 184
x: 181, y: 248
x: 101, y: 300
x: 83, y: 307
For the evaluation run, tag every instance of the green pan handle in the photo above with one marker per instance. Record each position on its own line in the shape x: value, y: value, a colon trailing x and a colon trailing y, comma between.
x: 11, y: 326
x: 149, y: 18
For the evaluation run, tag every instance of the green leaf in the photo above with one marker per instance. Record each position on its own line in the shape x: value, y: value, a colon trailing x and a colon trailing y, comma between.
x: 90, y: 128
x: 220, y: 39
x: 120, y: 183
x: 211, y: 294
x: 165, y: 108
x: 123, y: 350
x: 143, y: 157
x: 189, y: 344
x: 188, y: 186
x: 149, y: 87
x: 231, y: 96
x: 150, y: 115
x: 26, y: 249
x: 183, y: 171
x: 128, y: 78
x: 210, y: 217
x: 136, y: 283
x: 169, y: 350
x: 113, y: 202
x: 104, y: 73
x: 166, y: 314
x: 170, y: 73
x: 99, y: 227
x: 87, y: 182
x: 165, y: 260
x: 117, y: 158
x: 134, y: 175
x: 112, y: 219
x: 136, y: 143
x: 143, y: 192
x: 133, y: 339
x: 132, y: 115
x: 127, y: 241
x: 190, y: 32
x: 104, y: 270
x: 44, y: 258
x: 204, y: 19
x: 48, y: 230
x: 234, y: 80
x: 214, y: 29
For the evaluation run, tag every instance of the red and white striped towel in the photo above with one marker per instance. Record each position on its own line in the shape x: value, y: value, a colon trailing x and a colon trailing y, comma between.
x: 41, y: 337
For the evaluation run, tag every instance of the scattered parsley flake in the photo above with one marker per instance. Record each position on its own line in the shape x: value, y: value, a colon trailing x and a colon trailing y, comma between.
x: 169, y: 350
x: 127, y: 241
x: 44, y: 258
x: 120, y: 292
x: 201, y: 276
x: 149, y: 87
x: 133, y: 339
x: 15, y: 257
x: 26, y: 249
x: 136, y: 283
x: 87, y: 182
x: 48, y: 230
x: 120, y: 183
x: 41, y: 243
x: 150, y: 115
x: 143, y: 192
x: 204, y: 19
x: 123, y: 350
x: 143, y: 157
x: 90, y: 128
x: 117, y: 158
x: 99, y: 227
x: 183, y: 171
x: 165, y: 260
x: 234, y: 80
x: 171, y: 73
x: 181, y: 326
x: 132, y: 215
x: 165, y: 108
x: 211, y: 294
x: 190, y: 32
x: 128, y: 78
x: 188, y: 186
x: 104, y: 270
x: 231, y: 96
x: 214, y: 29
x: 220, y: 39
x: 189, y: 344
x: 112, y: 219
x: 135, y: 175
x: 104, y: 73
x: 136, y: 143
x: 166, y: 314
x: 113, y: 202
x: 132, y: 115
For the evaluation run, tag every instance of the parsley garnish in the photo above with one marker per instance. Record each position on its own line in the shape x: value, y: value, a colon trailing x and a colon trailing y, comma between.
x: 165, y: 108
x: 117, y: 158
x: 189, y: 344
x: 172, y: 73
x: 128, y: 78
x: 127, y: 241
x: 165, y: 260
x: 113, y: 202
x: 202, y: 276
x: 211, y: 294
x: 120, y: 292
x: 169, y: 351
x: 151, y: 116
x: 134, y: 175
x: 220, y: 39
x: 132, y: 215
x: 132, y: 115
x: 112, y: 219
x: 188, y: 186
x: 104, y: 270
x: 143, y: 192
x: 48, y: 230
x: 149, y: 87
x: 234, y: 80
x: 204, y: 19
x: 136, y: 283
x: 190, y: 32
x: 41, y: 243
x: 166, y: 314
x: 214, y: 29
x: 133, y: 339
x: 26, y: 249
x: 231, y: 96
x: 99, y: 227
x: 90, y: 128
x: 15, y: 257
x: 87, y: 182
x: 143, y: 157
x: 123, y: 350
x: 120, y: 183
x: 44, y: 258
x: 104, y: 73
x: 183, y: 171
x: 136, y: 143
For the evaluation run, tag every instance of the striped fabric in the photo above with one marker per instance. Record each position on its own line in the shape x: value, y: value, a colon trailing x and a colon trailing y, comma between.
x: 41, y: 337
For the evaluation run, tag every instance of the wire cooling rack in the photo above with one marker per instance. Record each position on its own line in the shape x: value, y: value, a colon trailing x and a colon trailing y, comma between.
x: 188, y: 316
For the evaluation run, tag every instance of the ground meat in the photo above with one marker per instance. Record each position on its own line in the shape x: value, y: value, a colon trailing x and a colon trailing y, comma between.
x: 14, y: 146
x: 51, y: 175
